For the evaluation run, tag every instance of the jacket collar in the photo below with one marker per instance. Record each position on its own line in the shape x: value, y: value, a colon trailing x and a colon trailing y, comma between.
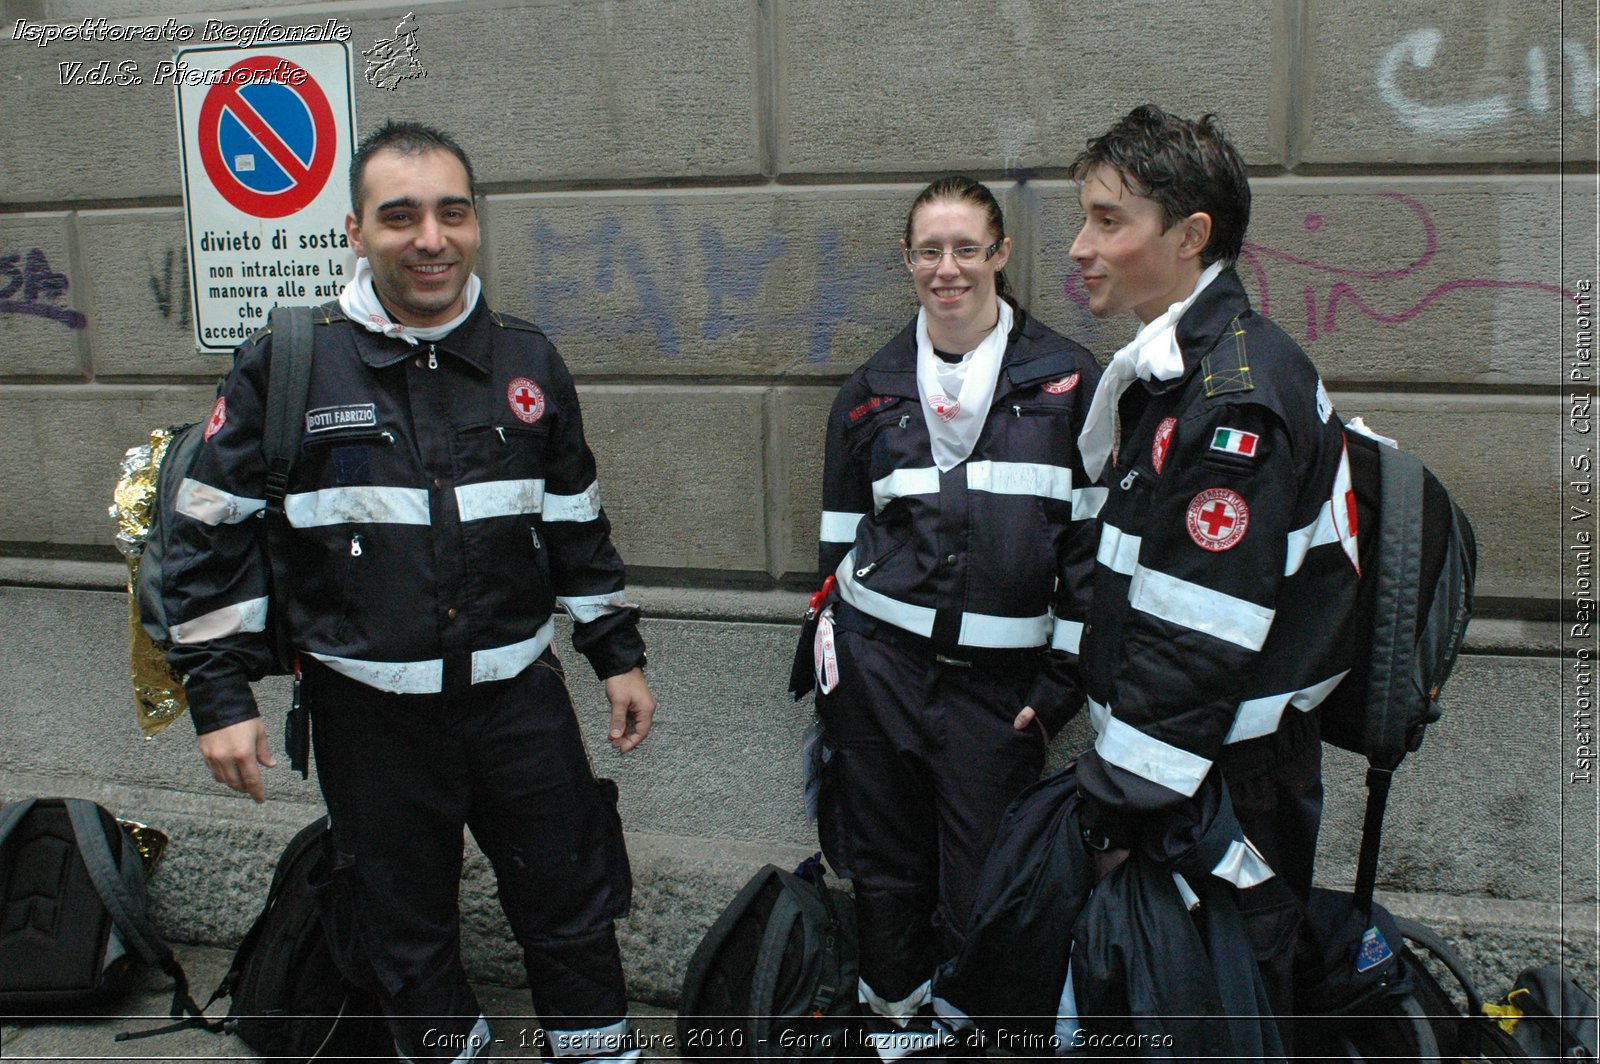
x: 471, y: 342
x: 1205, y: 323
x: 893, y: 370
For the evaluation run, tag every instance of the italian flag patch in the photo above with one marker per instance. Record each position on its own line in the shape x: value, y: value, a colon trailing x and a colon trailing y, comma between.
x: 1232, y: 441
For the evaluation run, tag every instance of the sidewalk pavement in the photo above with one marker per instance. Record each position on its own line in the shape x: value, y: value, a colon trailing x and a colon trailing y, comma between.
x: 86, y: 1038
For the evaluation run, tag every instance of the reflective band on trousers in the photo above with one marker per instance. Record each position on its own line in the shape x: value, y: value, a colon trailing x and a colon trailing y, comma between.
x: 427, y: 677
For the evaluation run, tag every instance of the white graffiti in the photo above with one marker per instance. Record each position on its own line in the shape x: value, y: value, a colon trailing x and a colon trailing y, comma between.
x: 1420, y: 48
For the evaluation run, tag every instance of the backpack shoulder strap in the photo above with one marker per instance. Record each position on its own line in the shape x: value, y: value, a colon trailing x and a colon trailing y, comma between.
x: 1399, y: 588
x: 286, y: 395
x: 117, y: 884
x: 1435, y: 944
x: 1394, y: 648
x: 11, y: 815
x: 287, y: 389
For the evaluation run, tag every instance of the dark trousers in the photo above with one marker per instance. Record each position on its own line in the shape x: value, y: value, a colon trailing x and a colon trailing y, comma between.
x: 925, y: 762
x: 1275, y: 783
x: 402, y: 775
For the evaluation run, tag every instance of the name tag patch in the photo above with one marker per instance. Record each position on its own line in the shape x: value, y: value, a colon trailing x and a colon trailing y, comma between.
x: 351, y: 416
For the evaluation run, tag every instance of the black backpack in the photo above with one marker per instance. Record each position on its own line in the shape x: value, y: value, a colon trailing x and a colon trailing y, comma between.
x: 1545, y: 1015
x: 775, y: 977
x: 287, y: 390
x: 73, y: 919
x: 1413, y: 601
x: 289, y: 1001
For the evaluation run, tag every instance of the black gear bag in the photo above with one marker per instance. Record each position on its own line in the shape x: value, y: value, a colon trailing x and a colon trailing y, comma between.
x: 73, y: 917
x: 289, y: 1001
x: 775, y: 977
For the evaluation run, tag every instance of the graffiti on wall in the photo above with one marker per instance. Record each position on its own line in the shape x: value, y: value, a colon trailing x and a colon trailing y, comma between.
x: 689, y: 281
x: 1352, y: 290
x: 28, y: 285
x: 169, y: 285
x: 1538, y: 93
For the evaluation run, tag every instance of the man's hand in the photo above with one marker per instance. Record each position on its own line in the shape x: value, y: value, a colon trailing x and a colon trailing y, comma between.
x: 1106, y: 860
x: 1025, y: 719
x: 632, y: 709
x: 234, y: 752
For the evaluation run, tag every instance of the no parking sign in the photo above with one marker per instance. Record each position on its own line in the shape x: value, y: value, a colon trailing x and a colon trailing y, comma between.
x: 267, y: 137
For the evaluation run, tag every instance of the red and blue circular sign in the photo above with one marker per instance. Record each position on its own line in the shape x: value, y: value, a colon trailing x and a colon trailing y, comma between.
x: 267, y: 137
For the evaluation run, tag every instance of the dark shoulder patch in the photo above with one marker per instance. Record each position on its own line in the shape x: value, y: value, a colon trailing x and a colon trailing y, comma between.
x: 506, y: 321
x: 329, y: 313
x: 260, y: 334
x: 1227, y: 368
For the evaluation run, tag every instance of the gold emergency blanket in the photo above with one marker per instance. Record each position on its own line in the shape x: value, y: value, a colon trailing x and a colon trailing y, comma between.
x: 158, y: 697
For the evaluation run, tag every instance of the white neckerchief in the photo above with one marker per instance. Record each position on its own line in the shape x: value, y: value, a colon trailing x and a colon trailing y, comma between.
x: 1153, y: 354
x: 956, y: 395
x: 359, y: 301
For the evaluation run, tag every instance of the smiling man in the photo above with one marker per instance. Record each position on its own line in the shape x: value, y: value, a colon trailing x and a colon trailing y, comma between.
x: 1227, y: 560
x: 443, y: 504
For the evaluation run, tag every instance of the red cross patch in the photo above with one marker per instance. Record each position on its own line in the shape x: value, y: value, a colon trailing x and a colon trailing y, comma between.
x: 1162, y: 443
x: 219, y: 418
x: 1217, y: 519
x: 946, y: 407
x: 1062, y: 385
x: 527, y: 401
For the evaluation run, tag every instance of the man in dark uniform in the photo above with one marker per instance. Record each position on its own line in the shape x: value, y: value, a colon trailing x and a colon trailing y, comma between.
x: 1227, y: 559
x: 443, y: 504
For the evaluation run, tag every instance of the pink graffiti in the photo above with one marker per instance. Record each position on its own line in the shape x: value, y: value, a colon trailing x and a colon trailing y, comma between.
x: 1341, y: 292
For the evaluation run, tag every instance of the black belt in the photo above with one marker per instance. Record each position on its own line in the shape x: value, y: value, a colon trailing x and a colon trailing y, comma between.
x: 851, y: 619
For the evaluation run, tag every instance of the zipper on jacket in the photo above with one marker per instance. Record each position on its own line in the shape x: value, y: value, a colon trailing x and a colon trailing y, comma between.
x: 501, y: 432
x: 355, y: 545
x: 370, y: 436
x: 905, y: 419
x: 433, y: 357
x: 1127, y: 481
x: 865, y: 569
x: 535, y: 532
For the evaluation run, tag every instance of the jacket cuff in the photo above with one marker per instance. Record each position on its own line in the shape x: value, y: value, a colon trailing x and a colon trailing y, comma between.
x: 1056, y: 696
x: 612, y: 643
x: 219, y: 703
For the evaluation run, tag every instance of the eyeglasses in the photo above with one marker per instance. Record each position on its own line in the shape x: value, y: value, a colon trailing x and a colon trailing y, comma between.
x: 966, y: 255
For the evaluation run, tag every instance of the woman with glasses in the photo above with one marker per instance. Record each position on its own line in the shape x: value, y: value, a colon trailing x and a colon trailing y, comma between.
x: 958, y: 534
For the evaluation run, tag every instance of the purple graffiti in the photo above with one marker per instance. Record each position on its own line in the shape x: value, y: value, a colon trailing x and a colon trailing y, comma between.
x: 1323, y: 318
x: 40, y: 286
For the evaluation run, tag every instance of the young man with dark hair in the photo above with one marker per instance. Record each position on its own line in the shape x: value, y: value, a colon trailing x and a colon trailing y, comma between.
x: 1227, y: 559
x: 443, y: 504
